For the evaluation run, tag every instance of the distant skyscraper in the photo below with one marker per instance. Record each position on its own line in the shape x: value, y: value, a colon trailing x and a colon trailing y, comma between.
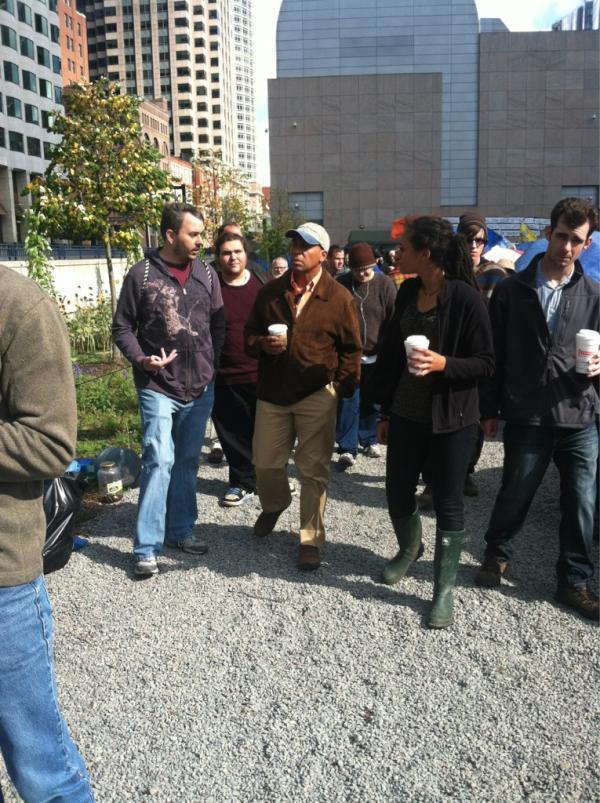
x: 30, y: 91
x: 176, y: 50
x: 243, y: 73
x: 585, y: 17
x: 184, y: 52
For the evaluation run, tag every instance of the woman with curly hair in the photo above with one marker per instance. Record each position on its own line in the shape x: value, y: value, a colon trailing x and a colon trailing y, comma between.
x: 430, y: 404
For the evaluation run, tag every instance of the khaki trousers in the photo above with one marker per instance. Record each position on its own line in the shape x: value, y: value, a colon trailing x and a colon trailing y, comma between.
x: 312, y: 422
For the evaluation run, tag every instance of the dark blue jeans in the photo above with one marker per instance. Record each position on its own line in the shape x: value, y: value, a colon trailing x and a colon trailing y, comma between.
x: 528, y: 451
x: 356, y: 418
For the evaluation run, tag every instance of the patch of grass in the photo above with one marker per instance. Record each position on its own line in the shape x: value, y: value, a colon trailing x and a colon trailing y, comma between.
x: 107, y: 406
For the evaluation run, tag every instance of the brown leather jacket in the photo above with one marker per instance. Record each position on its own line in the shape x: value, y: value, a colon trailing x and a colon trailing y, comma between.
x: 323, y: 342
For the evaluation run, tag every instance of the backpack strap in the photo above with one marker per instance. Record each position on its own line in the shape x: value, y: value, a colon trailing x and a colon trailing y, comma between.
x: 209, y: 274
x: 146, y: 272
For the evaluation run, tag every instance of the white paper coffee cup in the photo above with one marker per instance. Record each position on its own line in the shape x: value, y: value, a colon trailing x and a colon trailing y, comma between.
x: 279, y: 330
x: 415, y: 342
x: 587, y: 344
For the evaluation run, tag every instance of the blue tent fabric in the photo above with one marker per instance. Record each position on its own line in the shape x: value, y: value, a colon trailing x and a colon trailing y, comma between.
x: 590, y: 258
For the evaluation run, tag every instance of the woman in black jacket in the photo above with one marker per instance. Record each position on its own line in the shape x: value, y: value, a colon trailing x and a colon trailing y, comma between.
x: 432, y: 410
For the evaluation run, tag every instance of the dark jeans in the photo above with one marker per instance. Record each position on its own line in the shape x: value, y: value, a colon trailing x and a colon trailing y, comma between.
x: 233, y: 415
x: 528, y: 451
x: 356, y: 418
x: 409, y: 446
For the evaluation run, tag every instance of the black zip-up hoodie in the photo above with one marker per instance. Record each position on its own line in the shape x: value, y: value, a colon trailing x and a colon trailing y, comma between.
x: 155, y: 312
x: 536, y: 382
x: 465, y: 339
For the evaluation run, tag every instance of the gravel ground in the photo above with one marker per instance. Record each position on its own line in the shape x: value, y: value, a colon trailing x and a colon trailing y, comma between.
x: 236, y: 678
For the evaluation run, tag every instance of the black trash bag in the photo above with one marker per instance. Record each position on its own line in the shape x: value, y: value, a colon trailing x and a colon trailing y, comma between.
x: 62, y: 500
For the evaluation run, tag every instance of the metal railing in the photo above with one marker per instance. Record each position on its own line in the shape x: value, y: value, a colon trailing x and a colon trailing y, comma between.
x: 16, y: 252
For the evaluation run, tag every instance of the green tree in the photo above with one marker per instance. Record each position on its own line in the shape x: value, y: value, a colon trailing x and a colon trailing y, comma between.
x: 272, y: 241
x: 102, y: 182
x: 38, y: 251
x: 222, y: 194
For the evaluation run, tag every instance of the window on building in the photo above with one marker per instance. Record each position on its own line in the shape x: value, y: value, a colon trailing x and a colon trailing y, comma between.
x: 43, y: 56
x: 182, y: 72
x: 34, y: 147
x: 54, y: 34
x: 27, y: 48
x: 111, y: 11
x: 15, y: 141
x: 200, y: 75
x: 41, y: 24
x: 216, y: 109
x: 11, y: 72
x: 213, y: 14
x: 24, y: 14
x: 214, y: 77
x: 200, y: 58
x: 214, y: 45
x: 32, y: 114
x: 14, y: 107
x: 186, y: 136
x: 202, y: 107
x: 203, y: 139
x: 58, y: 94
x: 213, y: 30
x: 8, y: 37
x: 181, y: 22
x: 183, y: 55
x: 45, y: 88
x: 182, y: 39
x: 589, y: 191
x: 113, y: 60
x: 7, y: 5
x: 2, y: 138
x: 29, y: 81
x: 48, y: 150
x: 215, y: 93
x: 198, y: 10
x: 218, y: 140
x: 308, y: 205
x: 56, y: 64
x: 202, y: 122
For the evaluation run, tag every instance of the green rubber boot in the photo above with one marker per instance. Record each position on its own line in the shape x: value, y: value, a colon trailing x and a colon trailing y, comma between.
x: 448, y: 546
x: 408, y: 533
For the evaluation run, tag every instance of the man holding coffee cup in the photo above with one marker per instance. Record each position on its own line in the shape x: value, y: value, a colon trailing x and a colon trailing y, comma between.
x: 549, y: 399
x: 304, y: 331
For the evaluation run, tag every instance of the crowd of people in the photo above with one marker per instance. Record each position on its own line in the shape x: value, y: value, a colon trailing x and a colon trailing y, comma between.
x: 323, y: 352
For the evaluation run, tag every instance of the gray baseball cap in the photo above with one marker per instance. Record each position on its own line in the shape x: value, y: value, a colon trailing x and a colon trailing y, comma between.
x: 313, y: 234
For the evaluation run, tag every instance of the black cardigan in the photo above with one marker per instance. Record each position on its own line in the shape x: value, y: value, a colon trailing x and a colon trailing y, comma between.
x: 465, y: 339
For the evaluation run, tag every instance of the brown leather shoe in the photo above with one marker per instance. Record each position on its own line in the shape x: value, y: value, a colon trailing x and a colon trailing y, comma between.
x: 581, y: 599
x: 489, y: 574
x: 265, y: 523
x: 308, y: 557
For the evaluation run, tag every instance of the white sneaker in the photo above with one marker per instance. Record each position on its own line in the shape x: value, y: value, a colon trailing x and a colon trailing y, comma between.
x: 346, y: 459
x: 373, y: 451
x: 145, y: 566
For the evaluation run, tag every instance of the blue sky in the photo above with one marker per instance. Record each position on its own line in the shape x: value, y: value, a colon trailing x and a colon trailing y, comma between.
x: 518, y: 15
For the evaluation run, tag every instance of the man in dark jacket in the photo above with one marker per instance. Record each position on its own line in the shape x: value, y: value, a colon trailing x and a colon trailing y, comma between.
x: 549, y: 408
x: 38, y: 430
x: 170, y: 325
x: 300, y: 378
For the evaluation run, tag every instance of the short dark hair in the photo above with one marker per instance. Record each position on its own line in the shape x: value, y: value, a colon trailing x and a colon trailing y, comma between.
x: 334, y: 249
x: 472, y: 230
x: 173, y: 214
x: 223, y: 226
x: 576, y: 212
x: 447, y: 250
x: 226, y: 237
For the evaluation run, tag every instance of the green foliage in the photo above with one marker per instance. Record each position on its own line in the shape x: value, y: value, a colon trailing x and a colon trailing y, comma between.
x: 102, y: 181
x: 38, y: 251
x: 89, y: 325
x: 107, y: 409
x: 222, y: 195
x: 272, y: 241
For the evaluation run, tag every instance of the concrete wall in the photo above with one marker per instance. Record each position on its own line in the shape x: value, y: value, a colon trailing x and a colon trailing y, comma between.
x: 80, y: 281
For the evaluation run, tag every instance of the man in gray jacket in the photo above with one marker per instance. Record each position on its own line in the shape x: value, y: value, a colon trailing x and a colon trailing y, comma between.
x: 550, y: 409
x: 38, y: 428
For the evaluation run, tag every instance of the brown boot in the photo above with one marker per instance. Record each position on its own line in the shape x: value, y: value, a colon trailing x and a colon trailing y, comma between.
x: 581, y: 599
x: 308, y: 557
x: 489, y: 574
